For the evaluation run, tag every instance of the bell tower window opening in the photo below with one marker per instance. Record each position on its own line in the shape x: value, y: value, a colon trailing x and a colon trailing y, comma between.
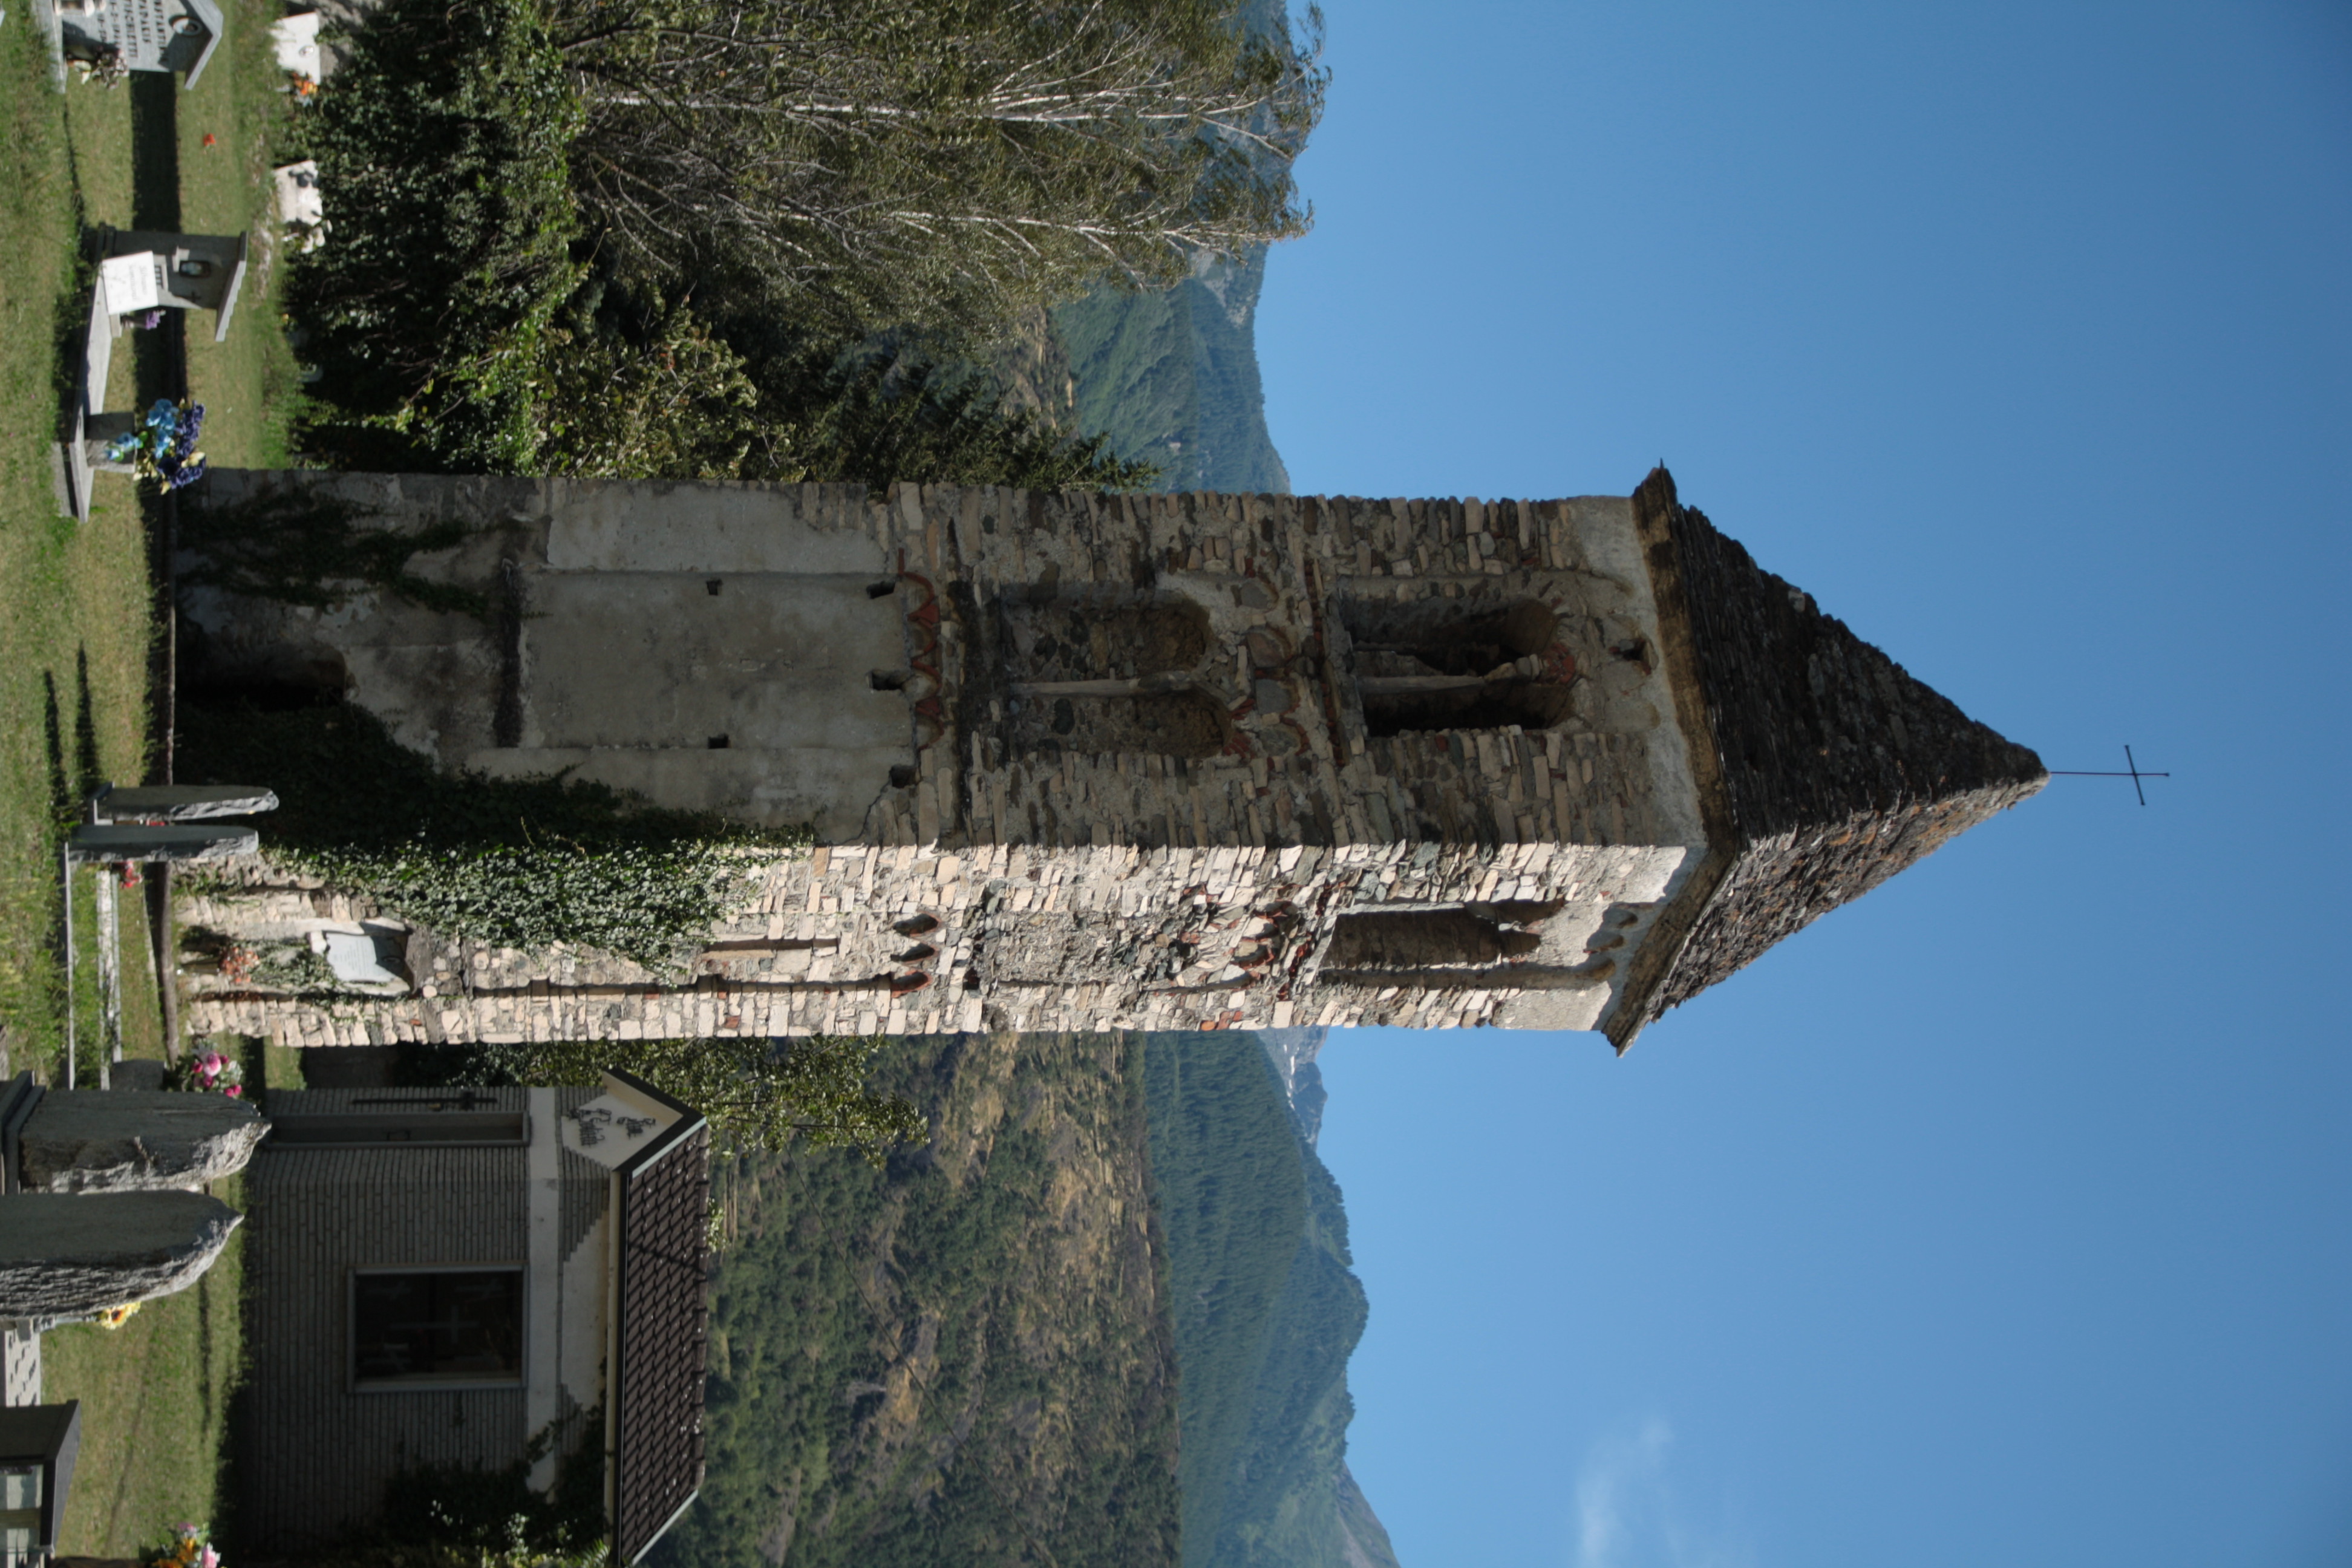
x: 1111, y: 673
x: 1123, y: 638
x: 1457, y: 664
x: 1401, y: 940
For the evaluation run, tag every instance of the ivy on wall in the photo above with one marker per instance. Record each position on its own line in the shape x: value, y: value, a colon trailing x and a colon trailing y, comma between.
x: 518, y: 863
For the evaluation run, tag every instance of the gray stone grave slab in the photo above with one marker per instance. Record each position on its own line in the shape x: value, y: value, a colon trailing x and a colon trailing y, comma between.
x: 149, y: 35
x: 147, y: 270
x: 112, y: 1141
x: 99, y: 842
x: 17, y: 1102
x: 71, y: 1255
x: 139, y: 1073
x: 38, y: 1445
x: 88, y: 410
x: 179, y: 802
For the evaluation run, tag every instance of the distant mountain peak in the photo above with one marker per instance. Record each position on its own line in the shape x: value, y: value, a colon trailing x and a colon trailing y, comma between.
x: 1292, y: 1053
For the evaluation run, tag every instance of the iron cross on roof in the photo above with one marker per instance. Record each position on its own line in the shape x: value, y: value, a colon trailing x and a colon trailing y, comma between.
x: 2136, y: 774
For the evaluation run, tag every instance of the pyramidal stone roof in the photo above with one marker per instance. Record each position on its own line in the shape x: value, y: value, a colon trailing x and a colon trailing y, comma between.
x: 1830, y: 768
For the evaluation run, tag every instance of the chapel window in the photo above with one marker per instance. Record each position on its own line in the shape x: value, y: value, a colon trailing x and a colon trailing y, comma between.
x: 428, y: 1328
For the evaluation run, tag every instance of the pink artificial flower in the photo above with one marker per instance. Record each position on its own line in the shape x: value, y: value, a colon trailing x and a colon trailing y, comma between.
x: 211, y: 1559
x: 234, y: 1091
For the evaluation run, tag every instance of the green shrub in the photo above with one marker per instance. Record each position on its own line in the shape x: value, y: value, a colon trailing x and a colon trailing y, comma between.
x: 760, y: 1096
x: 443, y: 152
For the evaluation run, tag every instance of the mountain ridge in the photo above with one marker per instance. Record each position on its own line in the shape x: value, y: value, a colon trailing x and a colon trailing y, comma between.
x: 1264, y: 1405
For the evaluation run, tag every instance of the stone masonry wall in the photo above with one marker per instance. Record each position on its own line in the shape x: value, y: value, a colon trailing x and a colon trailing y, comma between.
x: 1148, y: 770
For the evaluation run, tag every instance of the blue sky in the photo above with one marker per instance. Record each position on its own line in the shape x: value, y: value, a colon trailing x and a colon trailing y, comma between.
x: 2006, y: 1216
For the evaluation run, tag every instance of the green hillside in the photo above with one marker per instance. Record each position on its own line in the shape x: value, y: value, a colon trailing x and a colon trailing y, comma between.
x: 984, y: 1353
x: 1171, y: 378
x: 963, y: 1359
x: 1265, y: 1310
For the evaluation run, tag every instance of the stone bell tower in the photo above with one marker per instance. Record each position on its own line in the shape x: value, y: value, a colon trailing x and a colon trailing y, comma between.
x: 1080, y: 761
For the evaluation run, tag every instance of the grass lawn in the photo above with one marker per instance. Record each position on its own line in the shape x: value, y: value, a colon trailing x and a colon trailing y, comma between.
x: 74, y: 622
x: 250, y: 384
x: 78, y: 629
x: 155, y: 1391
x: 154, y: 1409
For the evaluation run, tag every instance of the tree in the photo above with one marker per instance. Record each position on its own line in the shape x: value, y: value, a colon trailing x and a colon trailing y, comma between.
x: 524, y: 223
x: 942, y: 162
x: 675, y: 405
x: 759, y: 1095
x: 872, y: 416
x: 442, y: 141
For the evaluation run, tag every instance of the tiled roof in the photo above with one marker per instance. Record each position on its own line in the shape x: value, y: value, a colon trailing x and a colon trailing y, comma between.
x: 659, y: 1350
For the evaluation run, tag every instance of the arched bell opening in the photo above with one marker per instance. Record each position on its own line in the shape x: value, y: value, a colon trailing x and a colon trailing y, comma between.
x: 1532, y: 704
x: 1446, y: 636
x: 1456, y: 664
x: 1419, y: 939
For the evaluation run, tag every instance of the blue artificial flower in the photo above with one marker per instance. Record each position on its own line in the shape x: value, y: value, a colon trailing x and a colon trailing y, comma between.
x: 192, y: 422
x: 122, y: 449
x: 188, y: 473
x: 164, y: 416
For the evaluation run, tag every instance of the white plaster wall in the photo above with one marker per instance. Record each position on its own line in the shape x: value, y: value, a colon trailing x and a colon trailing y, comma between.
x: 580, y: 1365
x: 656, y: 659
x: 649, y: 526
x: 1604, y: 530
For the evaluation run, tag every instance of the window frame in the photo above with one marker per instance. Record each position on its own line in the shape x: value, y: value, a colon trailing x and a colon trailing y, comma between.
x: 435, y: 1383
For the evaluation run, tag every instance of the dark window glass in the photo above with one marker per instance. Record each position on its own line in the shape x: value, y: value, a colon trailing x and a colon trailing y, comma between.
x: 457, y: 1326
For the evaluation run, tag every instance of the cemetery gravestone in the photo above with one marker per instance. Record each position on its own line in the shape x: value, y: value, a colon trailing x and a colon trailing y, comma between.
x: 151, y: 269
x: 38, y: 1446
x: 178, y: 802
x: 134, y: 1141
x: 141, y: 34
x: 71, y: 1255
x: 171, y: 841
